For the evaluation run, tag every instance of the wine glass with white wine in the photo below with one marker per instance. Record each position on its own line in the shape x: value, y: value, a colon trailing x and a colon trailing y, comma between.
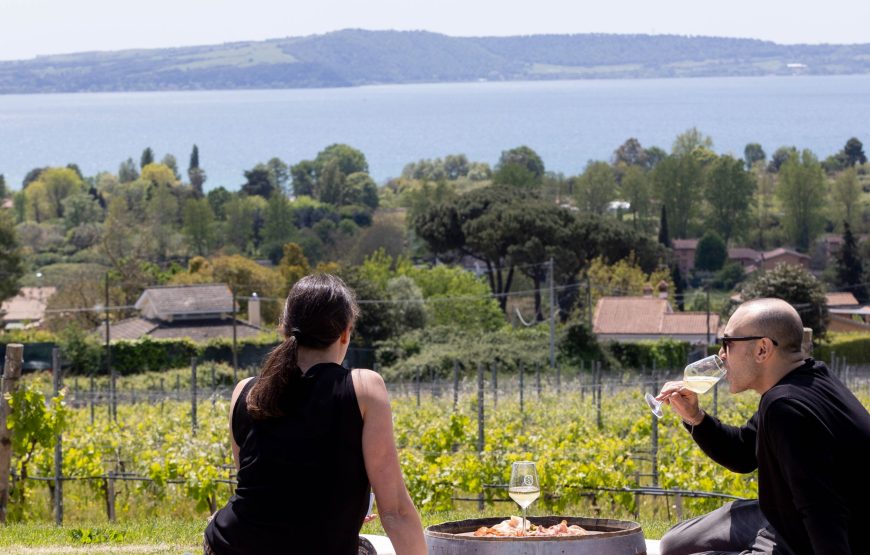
x: 700, y: 377
x: 524, y: 487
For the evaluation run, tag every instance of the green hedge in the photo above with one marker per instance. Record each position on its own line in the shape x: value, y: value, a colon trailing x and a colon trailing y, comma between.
x: 853, y: 347
x: 663, y: 353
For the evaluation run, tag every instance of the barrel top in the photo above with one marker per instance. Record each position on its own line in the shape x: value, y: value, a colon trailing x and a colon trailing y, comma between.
x: 601, y: 527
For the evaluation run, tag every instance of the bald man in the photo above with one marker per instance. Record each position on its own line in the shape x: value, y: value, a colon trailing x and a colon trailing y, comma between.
x: 809, y: 440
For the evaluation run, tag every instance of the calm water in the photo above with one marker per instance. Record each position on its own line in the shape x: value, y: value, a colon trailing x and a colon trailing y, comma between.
x: 566, y: 122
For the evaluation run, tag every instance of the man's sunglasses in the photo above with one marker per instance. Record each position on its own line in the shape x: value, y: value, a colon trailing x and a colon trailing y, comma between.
x: 724, y: 341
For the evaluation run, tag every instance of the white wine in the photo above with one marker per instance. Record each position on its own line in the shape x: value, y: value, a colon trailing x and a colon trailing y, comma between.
x: 524, y: 495
x: 700, y: 384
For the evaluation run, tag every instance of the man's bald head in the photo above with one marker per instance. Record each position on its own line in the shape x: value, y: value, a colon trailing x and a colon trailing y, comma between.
x: 776, y: 319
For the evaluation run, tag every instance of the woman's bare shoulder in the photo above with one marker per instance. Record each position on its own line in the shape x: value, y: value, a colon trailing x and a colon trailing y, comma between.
x: 238, y: 391
x: 368, y: 384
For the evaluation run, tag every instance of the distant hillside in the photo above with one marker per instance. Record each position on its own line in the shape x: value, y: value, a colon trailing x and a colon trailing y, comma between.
x: 357, y: 57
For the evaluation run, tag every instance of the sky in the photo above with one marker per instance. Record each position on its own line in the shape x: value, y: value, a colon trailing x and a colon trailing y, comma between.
x: 37, y: 27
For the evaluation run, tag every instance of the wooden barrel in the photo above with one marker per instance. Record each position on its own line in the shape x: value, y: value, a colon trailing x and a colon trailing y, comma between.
x: 607, y: 537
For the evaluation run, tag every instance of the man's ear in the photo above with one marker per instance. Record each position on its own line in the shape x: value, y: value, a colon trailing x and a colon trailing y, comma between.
x: 764, y: 350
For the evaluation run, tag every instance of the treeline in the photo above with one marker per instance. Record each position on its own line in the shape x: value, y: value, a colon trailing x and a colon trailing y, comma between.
x: 356, y: 57
x: 505, y: 233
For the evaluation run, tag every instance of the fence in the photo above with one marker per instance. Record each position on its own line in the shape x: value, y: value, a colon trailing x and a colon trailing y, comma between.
x: 488, y: 386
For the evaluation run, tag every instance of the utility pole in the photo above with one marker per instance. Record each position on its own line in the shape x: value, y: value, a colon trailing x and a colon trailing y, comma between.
x: 552, y: 316
x: 109, y: 371
x: 589, y: 301
x: 235, y: 338
x: 707, y: 289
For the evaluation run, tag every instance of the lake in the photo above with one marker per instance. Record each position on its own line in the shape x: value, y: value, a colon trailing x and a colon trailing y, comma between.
x: 566, y: 122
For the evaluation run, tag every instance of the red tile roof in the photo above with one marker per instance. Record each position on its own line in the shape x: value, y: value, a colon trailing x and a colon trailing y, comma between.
x: 187, y: 299
x: 841, y: 299
x: 628, y: 314
x: 690, y: 244
x: 28, y: 305
x: 648, y: 316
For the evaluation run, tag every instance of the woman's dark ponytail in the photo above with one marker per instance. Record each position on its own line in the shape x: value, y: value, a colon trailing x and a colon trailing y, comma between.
x: 318, y: 309
x: 279, y: 370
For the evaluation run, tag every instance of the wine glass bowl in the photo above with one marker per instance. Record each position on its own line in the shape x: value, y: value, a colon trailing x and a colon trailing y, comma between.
x: 524, y: 486
x: 699, y: 377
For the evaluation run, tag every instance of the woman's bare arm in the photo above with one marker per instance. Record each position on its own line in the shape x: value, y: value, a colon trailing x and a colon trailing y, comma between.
x: 236, y: 392
x: 395, y: 508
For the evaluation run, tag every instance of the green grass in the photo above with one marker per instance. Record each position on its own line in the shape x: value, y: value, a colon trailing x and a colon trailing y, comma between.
x: 165, y: 535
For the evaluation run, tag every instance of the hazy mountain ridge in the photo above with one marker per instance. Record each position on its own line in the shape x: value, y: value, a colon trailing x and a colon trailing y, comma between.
x: 359, y: 57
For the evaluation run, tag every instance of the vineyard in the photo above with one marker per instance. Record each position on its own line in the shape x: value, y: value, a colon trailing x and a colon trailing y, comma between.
x: 161, y: 452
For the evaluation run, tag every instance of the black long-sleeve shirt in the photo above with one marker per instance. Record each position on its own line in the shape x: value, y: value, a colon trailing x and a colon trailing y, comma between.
x: 810, y: 440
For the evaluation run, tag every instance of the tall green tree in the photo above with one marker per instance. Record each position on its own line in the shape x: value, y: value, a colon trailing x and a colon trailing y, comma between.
x: 519, y: 167
x: 170, y: 162
x: 194, y: 159
x: 198, y: 225
x: 524, y: 157
x: 127, y: 171
x: 79, y: 209
x: 4, y: 191
x: 678, y: 183
x: 304, y: 176
x: 326, y: 177
x: 853, y: 152
x: 11, y: 261
x: 690, y: 140
x: 163, y: 216
x: 728, y: 190
x: 195, y: 173
x: 259, y: 182
x: 849, y: 269
x: 278, y: 227
x: 752, y: 154
x: 845, y: 198
x: 349, y: 159
x: 239, y: 223
x: 476, y: 224
x: 664, y: 232
x: 801, y: 191
x: 147, y: 157
x: 596, y: 187
x: 779, y: 157
x: 796, y: 286
x: 280, y: 173
x: 631, y: 153
x: 635, y: 188
x: 45, y: 195
x: 711, y: 253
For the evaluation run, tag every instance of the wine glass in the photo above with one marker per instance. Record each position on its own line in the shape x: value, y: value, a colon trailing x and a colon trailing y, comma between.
x: 524, y: 487
x: 700, y: 377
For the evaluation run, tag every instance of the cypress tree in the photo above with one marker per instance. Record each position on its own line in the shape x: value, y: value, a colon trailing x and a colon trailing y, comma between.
x: 664, y: 236
x: 849, y: 268
x: 194, y: 159
x: 147, y: 157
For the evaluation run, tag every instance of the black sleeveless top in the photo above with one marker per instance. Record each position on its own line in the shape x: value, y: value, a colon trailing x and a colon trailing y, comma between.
x: 303, y: 486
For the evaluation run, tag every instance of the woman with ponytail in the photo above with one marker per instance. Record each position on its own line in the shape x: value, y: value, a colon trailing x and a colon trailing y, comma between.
x: 309, y: 439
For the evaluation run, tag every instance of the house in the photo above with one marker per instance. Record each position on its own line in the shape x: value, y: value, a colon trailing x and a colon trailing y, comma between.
x: 648, y: 317
x: 770, y: 259
x: 7, y: 204
x: 744, y: 256
x: 750, y: 259
x: 27, y: 309
x: 846, y: 313
x: 198, y: 312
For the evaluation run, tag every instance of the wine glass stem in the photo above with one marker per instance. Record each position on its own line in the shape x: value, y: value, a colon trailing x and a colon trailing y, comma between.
x: 524, y: 521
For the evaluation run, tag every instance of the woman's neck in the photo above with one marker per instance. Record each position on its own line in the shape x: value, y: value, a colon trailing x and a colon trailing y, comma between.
x: 306, y: 358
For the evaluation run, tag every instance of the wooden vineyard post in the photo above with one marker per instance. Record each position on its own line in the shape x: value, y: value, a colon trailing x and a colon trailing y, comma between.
x: 11, y: 375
